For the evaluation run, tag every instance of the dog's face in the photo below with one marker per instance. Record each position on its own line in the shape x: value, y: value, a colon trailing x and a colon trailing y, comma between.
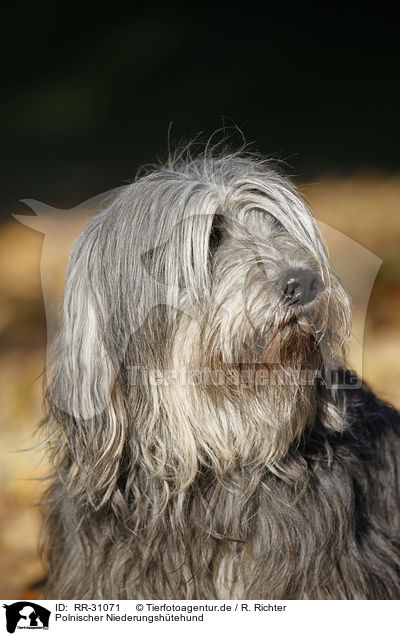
x: 199, y: 272
x: 272, y: 301
x: 269, y: 297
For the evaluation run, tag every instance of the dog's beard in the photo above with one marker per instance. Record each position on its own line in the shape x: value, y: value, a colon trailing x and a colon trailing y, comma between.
x: 251, y: 389
x: 243, y: 413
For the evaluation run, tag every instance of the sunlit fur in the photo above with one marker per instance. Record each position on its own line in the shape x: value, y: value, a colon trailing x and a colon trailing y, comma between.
x: 174, y: 476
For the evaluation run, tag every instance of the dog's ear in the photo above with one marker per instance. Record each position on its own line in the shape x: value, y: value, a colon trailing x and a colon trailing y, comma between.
x: 82, y: 376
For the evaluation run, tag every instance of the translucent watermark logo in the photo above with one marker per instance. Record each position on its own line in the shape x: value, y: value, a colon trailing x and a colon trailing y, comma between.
x: 356, y: 267
x: 252, y: 376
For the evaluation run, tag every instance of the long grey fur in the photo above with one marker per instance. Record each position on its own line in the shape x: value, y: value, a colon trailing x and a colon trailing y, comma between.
x: 193, y: 460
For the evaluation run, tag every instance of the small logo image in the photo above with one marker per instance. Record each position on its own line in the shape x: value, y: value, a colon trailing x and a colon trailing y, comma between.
x: 26, y: 615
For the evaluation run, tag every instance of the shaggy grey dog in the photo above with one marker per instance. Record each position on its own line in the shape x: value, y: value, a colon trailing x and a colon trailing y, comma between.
x: 207, y: 439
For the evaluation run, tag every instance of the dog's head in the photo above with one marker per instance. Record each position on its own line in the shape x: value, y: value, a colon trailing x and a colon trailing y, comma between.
x: 200, y: 268
x: 238, y: 273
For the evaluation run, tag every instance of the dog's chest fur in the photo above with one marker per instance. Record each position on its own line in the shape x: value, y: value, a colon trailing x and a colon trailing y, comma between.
x: 320, y: 538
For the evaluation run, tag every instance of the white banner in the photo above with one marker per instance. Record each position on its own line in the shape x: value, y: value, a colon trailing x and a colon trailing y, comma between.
x: 196, y: 617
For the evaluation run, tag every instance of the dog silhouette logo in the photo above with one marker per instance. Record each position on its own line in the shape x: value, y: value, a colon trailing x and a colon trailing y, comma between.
x: 26, y: 615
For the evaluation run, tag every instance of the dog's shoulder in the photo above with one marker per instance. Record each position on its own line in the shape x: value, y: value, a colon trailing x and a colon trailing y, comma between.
x: 370, y: 417
x: 371, y: 439
x: 361, y: 464
x: 371, y: 431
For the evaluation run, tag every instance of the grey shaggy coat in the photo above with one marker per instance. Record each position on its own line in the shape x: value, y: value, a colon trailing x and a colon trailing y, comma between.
x: 172, y: 483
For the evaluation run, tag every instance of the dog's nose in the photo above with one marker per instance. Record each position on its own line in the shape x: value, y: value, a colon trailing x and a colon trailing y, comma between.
x: 299, y: 286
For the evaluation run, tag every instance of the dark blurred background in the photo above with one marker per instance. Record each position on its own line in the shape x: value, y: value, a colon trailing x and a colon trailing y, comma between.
x: 89, y: 93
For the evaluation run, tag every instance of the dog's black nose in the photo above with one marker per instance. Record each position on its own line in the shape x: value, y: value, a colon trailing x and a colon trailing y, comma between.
x: 299, y: 286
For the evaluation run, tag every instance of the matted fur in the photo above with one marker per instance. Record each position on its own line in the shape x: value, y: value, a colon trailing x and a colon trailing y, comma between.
x: 200, y: 451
